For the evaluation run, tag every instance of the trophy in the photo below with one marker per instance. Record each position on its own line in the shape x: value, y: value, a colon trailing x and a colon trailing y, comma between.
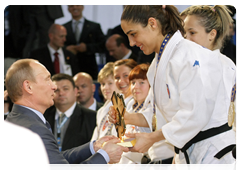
x: 119, y: 105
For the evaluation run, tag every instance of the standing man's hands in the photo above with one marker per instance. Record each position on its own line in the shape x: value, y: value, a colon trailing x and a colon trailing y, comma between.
x: 72, y: 48
x: 82, y: 47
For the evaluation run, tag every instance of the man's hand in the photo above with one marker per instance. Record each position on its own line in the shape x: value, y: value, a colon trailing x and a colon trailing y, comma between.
x: 114, y: 151
x: 99, y: 143
x: 72, y: 48
x: 82, y: 47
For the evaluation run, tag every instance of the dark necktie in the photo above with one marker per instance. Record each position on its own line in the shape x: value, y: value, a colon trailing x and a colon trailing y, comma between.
x: 48, y: 126
x: 56, y: 63
x: 77, y: 31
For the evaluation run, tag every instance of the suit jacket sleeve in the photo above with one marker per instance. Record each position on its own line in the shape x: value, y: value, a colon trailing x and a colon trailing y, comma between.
x: 82, y: 154
x: 77, y: 155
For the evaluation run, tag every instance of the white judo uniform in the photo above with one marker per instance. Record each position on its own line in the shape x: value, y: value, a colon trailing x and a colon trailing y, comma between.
x: 135, y: 157
x: 103, y: 127
x: 189, y: 92
x: 124, y: 162
x: 163, y: 149
x: 160, y: 150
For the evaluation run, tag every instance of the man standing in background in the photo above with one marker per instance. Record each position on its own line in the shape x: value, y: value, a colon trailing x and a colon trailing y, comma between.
x: 85, y: 38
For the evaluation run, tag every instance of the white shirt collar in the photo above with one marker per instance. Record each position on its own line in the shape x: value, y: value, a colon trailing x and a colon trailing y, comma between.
x: 52, y: 51
x: 94, y: 105
x: 68, y: 113
x: 81, y: 20
x: 127, y: 55
x: 37, y: 113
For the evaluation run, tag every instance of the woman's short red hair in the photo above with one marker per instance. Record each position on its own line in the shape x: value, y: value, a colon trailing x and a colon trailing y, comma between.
x: 139, y: 72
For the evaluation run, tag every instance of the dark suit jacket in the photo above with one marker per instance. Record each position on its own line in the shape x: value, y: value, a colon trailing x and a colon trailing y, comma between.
x: 134, y: 57
x: 28, y: 119
x: 43, y: 56
x: 80, y: 128
x: 15, y: 41
x: 54, y: 11
x: 94, y: 38
x: 50, y: 12
x: 99, y: 105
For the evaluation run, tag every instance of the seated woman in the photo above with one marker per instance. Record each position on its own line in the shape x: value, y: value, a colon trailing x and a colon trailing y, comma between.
x: 108, y: 86
x: 121, y: 70
x: 138, y: 118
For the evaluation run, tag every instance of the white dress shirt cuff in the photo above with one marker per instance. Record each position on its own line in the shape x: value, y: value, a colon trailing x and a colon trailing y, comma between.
x: 101, y: 151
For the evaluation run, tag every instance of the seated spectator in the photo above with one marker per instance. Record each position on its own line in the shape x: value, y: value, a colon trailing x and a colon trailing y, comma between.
x: 71, y: 123
x: 85, y: 38
x: 108, y: 86
x: 117, y: 48
x: 86, y: 89
x: 53, y: 56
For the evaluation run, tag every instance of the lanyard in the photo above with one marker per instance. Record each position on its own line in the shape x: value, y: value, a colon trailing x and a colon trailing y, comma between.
x: 135, y: 105
x: 136, y: 110
x: 61, y: 125
x: 59, y: 132
x: 154, y: 118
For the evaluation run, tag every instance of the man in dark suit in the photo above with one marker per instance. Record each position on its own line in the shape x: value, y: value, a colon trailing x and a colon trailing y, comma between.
x: 67, y: 62
x: 85, y: 38
x: 31, y: 89
x: 86, y: 89
x: 40, y: 18
x: 117, y: 48
x: 80, y: 121
x: 142, y: 58
x: 16, y: 28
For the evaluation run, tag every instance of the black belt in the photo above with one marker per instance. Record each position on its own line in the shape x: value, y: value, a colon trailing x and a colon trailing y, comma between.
x: 146, y: 160
x: 202, y: 136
